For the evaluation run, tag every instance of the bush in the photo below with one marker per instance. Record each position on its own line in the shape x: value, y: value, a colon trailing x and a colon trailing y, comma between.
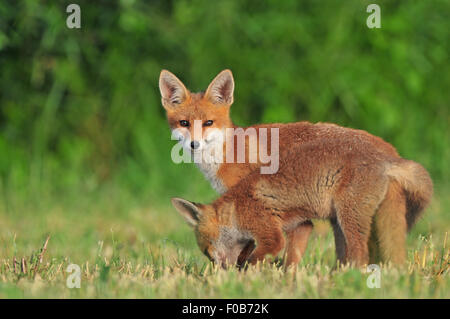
x: 80, y: 108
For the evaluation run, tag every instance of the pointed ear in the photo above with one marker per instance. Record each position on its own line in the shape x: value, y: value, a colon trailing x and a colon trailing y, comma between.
x: 173, y: 91
x: 188, y: 210
x: 221, y: 89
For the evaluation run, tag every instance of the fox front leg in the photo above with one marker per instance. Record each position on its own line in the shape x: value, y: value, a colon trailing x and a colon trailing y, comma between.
x: 355, y: 230
x: 269, y: 244
x: 339, y: 241
x: 297, y: 241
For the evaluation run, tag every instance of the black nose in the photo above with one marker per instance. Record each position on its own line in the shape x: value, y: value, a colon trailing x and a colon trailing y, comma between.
x: 195, y: 145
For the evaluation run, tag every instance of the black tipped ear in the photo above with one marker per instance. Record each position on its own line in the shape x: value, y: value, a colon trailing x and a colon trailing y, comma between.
x: 173, y: 91
x: 190, y: 211
x: 221, y: 89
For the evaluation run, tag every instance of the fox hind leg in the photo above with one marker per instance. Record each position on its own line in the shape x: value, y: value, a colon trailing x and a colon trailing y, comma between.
x: 391, y: 225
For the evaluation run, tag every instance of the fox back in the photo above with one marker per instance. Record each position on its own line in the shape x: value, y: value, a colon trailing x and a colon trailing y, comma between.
x: 199, y: 121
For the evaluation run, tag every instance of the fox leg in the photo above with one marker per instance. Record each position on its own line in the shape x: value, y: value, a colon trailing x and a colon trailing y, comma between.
x: 354, y: 218
x: 356, y: 239
x: 339, y: 241
x: 297, y: 240
x: 391, y: 226
x: 272, y: 243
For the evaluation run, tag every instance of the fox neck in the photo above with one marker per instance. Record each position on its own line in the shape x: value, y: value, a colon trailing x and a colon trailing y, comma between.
x: 210, y: 169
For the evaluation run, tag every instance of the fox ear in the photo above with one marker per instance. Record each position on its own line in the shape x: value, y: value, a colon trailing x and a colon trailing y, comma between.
x: 173, y: 91
x: 221, y: 89
x: 190, y: 211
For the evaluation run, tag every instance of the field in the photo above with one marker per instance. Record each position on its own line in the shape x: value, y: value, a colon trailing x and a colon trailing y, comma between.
x: 148, y: 252
x: 86, y: 175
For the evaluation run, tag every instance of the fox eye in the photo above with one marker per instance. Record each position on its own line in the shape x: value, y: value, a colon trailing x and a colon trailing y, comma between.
x: 208, y: 123
x: 184, y: 123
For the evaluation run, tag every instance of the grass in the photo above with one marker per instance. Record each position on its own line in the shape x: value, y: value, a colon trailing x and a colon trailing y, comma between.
x: 146, y: 251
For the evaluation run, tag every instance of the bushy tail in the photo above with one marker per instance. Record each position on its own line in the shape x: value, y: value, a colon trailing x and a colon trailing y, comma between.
x: 417, y: 184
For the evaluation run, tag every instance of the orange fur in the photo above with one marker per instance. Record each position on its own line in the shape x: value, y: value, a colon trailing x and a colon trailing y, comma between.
x: 214, y: 105
x: 330, y: 179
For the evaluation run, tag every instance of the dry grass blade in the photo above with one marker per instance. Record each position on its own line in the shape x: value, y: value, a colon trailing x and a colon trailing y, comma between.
x: 24, y: 266
x: 14, y: 264
x: 44, y: 248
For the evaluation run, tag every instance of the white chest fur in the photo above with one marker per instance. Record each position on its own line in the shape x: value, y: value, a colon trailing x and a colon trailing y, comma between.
x: 212, y: 157
x: 209, y: 170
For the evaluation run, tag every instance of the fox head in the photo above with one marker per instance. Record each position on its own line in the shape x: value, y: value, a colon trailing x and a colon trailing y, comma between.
x: 197, y: 120
x: 222, y: 243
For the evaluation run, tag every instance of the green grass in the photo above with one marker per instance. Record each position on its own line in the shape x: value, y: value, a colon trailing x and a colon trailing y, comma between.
x: 85, y: 147
x: 146, y: 251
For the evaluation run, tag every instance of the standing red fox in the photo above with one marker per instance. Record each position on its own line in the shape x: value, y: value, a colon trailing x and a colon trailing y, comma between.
x: 407, y: 191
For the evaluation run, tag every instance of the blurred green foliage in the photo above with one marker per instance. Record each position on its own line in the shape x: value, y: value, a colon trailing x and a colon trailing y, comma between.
x: 80, y: 108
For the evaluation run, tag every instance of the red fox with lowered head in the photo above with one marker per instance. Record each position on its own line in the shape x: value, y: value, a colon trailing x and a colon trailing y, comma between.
x: 399, y: 201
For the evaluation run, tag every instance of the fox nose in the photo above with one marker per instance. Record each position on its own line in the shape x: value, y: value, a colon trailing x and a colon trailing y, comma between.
x: 195, y: 145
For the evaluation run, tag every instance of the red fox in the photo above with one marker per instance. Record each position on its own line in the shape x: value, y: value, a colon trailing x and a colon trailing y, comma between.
x: 407, y: 191
x: 333, y: 179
